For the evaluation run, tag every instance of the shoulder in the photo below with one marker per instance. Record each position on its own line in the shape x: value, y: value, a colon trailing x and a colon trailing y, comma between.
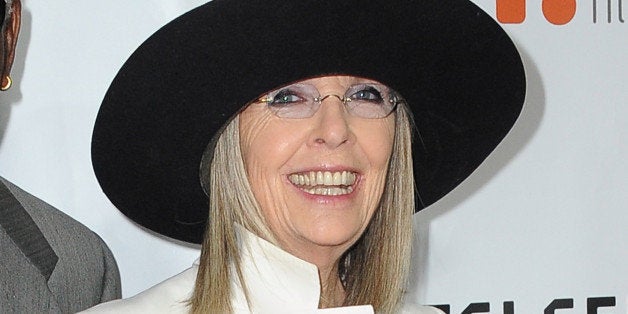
x: 409, y: 308
x: 169, y: 296
x: 61, y: 230
x: 86, y: 272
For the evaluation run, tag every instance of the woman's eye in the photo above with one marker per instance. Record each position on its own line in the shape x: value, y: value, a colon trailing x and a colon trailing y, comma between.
x: 285, y: 97
x: 368, y: 93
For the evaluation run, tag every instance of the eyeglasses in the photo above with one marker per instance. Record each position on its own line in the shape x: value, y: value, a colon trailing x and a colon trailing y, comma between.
x: 299, y: 101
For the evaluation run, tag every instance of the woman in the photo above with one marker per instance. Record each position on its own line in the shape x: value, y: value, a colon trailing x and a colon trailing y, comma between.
x: 300, y: 115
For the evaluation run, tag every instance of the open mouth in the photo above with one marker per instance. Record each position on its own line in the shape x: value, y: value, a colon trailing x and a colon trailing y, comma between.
x: 324, y: 182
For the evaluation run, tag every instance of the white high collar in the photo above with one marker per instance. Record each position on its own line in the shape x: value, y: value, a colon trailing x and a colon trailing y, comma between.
x: 277, y: 281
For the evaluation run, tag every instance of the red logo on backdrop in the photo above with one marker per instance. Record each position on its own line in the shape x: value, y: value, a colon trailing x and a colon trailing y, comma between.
x: 558, y: 12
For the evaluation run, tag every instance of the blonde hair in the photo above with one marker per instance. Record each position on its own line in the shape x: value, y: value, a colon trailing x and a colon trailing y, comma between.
x: 373, y: 271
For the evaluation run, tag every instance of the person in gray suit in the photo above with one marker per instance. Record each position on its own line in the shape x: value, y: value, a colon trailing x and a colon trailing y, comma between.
x: 49, y: 262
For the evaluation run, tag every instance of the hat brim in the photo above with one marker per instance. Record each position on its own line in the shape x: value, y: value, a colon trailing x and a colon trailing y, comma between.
x: 459, y: 72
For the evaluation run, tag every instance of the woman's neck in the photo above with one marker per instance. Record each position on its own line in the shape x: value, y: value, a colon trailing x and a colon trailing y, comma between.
x: 332, y: 290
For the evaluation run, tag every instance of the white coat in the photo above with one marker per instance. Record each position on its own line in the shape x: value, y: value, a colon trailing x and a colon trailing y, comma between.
x: 277, y: 282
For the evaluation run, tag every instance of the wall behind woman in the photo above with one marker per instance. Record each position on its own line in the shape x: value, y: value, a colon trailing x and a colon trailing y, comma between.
x: 543, y: 219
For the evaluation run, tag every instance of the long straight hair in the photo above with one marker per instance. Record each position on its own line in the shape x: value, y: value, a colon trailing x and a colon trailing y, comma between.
x: 373, y: 271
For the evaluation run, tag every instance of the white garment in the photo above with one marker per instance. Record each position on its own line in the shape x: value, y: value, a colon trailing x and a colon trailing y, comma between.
x: 277, y: 281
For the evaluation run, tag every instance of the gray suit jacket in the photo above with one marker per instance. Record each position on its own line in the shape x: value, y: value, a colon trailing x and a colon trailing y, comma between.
x: 49, y: 262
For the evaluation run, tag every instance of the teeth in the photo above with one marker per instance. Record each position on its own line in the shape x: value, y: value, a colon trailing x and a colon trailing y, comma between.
x: 323, y: 178
x: 328, y: 178
x: 329, y: 191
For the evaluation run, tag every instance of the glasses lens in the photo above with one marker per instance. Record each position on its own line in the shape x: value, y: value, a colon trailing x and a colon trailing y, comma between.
x: 370, y: 101
x: 295, y: 101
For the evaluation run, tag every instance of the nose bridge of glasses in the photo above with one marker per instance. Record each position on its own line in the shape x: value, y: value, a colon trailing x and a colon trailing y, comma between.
x: 320, y: 99
x: 343, y: 100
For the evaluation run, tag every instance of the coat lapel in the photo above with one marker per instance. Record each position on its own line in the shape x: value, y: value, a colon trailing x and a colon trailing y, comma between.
x: 23, y: 231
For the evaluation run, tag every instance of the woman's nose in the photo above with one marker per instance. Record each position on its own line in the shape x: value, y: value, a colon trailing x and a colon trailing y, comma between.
x: 331, y: 128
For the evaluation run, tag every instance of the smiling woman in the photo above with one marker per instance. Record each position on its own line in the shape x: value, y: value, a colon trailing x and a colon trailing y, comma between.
x: 319, y: 220
x: 311, y: 184
x: 301, y: 125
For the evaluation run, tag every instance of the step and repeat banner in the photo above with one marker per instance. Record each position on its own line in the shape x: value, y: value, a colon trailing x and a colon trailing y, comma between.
x: 540, y: 227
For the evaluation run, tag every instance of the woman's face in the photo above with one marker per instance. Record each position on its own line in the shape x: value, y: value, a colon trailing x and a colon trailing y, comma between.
x: 318, y: 180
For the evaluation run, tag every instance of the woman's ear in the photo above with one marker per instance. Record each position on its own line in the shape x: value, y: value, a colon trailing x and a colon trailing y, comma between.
x: 10, y: 34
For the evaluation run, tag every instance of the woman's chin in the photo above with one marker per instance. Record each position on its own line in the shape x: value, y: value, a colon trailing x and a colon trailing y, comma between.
x: 333, y: 235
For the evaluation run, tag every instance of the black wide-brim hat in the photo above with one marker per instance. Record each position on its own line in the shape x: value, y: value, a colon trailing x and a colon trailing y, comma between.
x: 459, y: 72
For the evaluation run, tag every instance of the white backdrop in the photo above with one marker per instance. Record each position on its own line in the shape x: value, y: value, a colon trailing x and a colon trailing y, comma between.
x: 543, y: 219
